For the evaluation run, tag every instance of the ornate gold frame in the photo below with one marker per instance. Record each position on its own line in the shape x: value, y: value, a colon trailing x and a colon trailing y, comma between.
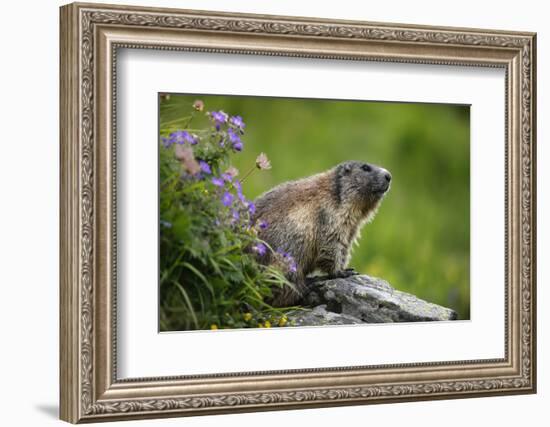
x: 90, y: 36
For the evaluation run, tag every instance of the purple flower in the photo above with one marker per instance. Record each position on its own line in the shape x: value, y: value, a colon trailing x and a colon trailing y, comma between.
x: 182, y: 136
x: 179, y: 137
x: 235, y: 140
x: 293, y: 267
x: 282, y: 253
x: 166, y: 142
x: 288, y: 261
x: 235, y: 214
x: 205, y: 167
x: 227, y: 198
x: 260, y: 249
x: 237, y: 121
x: 218, y: 182
x: 233, y: 136
x: 219, y: 118
x: 263, y: 224
x: 240, y: 195
x: 226, y: 177
x: 251, y: 208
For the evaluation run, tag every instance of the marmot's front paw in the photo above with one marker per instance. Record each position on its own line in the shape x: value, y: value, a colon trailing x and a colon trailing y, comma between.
x: 343, y: 274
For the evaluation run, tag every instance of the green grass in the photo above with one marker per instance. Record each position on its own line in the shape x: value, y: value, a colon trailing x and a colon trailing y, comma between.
x: 420, y: 239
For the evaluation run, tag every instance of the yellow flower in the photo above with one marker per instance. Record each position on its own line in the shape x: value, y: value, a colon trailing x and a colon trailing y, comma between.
x: 260, y: 325
x: 267, y: 324
x: 282, y: 321
x: 213, y: 326
x: 247, y: 316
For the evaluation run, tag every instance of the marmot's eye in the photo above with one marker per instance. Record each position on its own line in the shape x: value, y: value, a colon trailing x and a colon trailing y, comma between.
x: 366, y: 168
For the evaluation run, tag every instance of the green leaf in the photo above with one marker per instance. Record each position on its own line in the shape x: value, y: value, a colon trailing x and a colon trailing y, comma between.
x: 188, y: 303
x: 200, y: 276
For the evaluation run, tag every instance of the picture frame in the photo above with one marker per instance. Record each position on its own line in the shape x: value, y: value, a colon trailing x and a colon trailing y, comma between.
x: 91, y: 35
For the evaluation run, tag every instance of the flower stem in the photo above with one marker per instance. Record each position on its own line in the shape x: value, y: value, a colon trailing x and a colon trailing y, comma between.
x: 190, y: 118
x: 179, y: 119
x: 247, y: 174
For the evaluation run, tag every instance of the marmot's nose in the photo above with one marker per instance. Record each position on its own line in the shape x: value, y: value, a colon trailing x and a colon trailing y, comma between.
x: 387, y: 176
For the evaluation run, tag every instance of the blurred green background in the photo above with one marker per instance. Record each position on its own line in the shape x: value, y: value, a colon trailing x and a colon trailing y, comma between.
x: 420, y: 239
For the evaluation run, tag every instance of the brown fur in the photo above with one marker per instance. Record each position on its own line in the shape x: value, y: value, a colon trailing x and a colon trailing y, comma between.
x: 317, y: 220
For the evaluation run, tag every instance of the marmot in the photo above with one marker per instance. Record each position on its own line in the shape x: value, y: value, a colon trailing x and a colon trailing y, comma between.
x: 317, y: 219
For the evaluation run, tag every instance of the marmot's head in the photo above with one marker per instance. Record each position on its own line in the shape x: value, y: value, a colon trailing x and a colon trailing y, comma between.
x: 361, y: 183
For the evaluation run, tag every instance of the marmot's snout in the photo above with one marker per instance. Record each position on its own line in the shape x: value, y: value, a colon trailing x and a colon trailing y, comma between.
x: 382, y: 179
x: 374, y: 180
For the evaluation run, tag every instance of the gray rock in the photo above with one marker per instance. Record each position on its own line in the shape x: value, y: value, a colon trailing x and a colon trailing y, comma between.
x: 318, y: 316
x: 363, y: 299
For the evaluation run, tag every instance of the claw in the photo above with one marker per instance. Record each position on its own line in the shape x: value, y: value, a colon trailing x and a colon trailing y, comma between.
x: 343, y: 274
